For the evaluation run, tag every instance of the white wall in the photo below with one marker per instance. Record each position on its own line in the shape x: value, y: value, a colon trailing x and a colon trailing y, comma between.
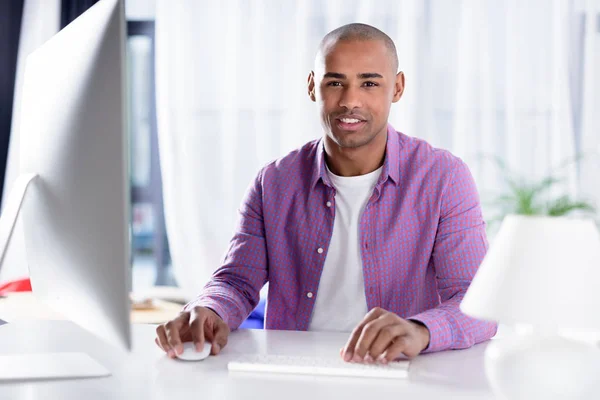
x: 140, y: 9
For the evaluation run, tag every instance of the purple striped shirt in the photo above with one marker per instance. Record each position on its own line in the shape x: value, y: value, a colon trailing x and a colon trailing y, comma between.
x: 422, y: 238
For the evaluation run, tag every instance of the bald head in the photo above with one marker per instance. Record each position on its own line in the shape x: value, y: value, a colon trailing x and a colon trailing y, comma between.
x: 359, y: 32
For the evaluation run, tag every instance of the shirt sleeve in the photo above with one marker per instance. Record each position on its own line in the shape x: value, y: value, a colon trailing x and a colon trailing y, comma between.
x: 459, y: 249
x: 234, y: 289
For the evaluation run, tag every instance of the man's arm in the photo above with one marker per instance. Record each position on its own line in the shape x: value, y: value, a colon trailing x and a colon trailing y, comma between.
x: 459, y: 248
x: 234, y: 289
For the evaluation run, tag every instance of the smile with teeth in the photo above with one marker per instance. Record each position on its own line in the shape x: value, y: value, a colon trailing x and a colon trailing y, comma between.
x: 350, y: 120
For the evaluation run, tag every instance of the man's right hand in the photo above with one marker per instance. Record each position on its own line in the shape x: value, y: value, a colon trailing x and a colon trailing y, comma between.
x: 197, y: 325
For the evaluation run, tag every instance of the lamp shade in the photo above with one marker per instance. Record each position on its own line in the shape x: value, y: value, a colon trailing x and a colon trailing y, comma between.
x: 541, y: 271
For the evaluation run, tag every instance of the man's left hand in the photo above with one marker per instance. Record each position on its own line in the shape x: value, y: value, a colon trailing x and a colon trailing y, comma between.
x: 383, y: 336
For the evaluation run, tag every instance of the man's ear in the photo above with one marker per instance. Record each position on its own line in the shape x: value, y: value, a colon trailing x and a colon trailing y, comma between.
x: 398, y: 87
x: 311, y: 86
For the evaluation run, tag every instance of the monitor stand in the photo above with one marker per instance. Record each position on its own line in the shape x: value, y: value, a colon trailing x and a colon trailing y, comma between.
x: 38, y: 366
x: 10, y: 210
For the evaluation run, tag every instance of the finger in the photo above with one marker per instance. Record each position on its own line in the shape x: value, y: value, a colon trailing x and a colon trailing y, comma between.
x: 369, y: 334
x: 403, y: 345
x: 198, y: 319
x: 386, y: 337
x: 173, y: 335
x: 158, y: 343
x: 355, y: 335
x: 209, y: 329
x: 221, y: 333
x: 163, y: 342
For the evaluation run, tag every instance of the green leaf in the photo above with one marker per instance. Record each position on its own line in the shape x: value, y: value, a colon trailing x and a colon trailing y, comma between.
x: 525, y: 201
x: 569, y: 161
x: 564, y: 205
x: 547, y: 183
x: 530, y: 198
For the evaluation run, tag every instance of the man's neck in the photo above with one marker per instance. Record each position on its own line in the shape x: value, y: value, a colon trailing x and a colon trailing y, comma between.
x: 356, y: 161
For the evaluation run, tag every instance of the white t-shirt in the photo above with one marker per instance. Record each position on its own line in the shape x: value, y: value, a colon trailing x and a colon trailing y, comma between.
x: 341, y: 303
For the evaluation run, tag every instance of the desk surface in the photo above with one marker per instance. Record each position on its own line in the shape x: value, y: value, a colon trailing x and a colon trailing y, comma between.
x: 147, y: 373
x: 24, y: 306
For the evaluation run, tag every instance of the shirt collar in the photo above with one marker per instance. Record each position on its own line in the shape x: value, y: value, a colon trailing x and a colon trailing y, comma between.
x: 391, y: 162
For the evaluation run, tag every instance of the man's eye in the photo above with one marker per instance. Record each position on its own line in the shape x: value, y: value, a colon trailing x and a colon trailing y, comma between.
x: 334, y: 83
x: 370, y: 84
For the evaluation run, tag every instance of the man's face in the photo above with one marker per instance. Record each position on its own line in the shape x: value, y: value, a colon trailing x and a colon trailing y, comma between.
x: 355, y: 83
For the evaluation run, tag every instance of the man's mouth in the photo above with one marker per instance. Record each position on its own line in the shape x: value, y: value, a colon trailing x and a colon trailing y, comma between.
x: 350, y: 123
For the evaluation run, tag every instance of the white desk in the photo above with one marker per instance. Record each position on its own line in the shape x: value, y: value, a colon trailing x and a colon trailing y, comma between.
x: 147, y: 374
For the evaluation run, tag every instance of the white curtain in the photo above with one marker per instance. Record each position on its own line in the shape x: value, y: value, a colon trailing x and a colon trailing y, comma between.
x: 506, y: 78
x: 40, y: 21
x: 590, y: 104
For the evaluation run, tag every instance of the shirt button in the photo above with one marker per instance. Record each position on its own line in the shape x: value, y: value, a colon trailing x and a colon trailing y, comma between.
x: 328, y: 204
x: 320, y: 250
x: 309, y: 295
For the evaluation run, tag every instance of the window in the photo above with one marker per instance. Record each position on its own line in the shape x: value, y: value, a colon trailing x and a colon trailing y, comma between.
x: 150, y: 250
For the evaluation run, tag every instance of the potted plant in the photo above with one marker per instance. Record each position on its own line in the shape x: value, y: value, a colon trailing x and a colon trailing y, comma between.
x: 526, y: 197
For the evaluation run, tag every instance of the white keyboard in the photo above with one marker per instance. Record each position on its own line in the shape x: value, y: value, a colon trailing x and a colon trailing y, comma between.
x: 317, y: 366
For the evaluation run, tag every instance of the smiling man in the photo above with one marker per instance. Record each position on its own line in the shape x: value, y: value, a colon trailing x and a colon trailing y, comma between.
x: 366, y: 230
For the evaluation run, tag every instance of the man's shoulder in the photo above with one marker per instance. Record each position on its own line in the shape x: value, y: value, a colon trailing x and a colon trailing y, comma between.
x: 421, y: 154
x: 298, y: 162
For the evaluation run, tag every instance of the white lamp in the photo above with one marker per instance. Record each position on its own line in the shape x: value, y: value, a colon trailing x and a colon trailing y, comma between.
x: 543, y: 272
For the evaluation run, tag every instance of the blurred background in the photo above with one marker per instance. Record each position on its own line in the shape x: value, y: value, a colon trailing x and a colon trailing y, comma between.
x: 218, y: 89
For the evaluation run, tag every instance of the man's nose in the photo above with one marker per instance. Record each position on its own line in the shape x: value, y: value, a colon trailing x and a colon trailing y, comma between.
x: 351, y: 98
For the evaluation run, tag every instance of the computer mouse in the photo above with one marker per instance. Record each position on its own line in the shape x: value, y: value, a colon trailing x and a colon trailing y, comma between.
x: 190, y: 354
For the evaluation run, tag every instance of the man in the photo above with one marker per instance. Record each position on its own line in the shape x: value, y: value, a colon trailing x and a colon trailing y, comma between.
x: 365, y: 230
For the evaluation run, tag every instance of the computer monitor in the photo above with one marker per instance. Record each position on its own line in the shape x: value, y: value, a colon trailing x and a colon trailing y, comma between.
x: 75, y: 212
